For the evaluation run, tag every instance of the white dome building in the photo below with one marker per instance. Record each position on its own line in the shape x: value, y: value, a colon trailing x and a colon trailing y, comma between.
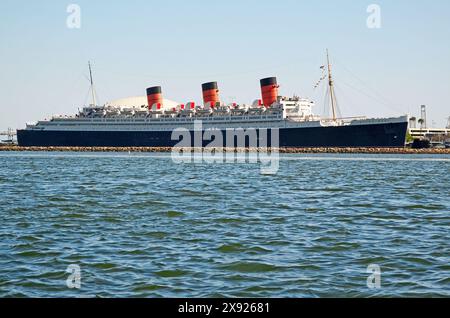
x: 139, y: 102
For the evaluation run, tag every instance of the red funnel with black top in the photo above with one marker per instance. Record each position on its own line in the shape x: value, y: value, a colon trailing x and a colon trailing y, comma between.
x: 269, y: 90
x: 154, y: 96
x: 210, y: 93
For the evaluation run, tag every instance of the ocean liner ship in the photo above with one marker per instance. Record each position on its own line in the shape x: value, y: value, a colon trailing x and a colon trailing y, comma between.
x: 152, y: 125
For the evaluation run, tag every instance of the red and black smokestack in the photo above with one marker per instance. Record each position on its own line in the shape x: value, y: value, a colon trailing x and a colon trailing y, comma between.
x: 154, y: 96
x: 269, y: 90
x: 210, y: 93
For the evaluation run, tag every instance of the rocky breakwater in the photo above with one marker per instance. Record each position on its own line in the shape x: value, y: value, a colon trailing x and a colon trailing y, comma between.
x: 240, y: 150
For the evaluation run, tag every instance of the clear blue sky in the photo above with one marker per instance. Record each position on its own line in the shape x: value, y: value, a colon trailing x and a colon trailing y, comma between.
x: 181, y: 44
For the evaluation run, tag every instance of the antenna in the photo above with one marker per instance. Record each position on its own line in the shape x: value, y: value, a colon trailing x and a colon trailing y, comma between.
x: 331, y: 86
x: 94, y: 99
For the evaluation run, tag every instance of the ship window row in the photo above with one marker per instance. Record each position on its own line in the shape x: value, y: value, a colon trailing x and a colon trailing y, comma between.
x: 165, y: 128
x: 133, y: 124
x: 190, y: 119
x: 143, y: 125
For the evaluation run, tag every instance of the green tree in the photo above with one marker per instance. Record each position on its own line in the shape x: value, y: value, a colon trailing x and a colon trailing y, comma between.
x: 409, y: 138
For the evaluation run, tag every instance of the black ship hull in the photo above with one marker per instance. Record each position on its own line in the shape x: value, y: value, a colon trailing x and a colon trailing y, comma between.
x: 381, y: 135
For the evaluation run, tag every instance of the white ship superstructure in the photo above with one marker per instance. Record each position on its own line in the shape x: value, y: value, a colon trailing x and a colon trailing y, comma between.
x: 292, y: 112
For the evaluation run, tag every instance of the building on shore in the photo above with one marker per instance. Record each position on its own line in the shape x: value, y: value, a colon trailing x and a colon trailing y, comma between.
x: 418, y: 128
x: 428, y: 132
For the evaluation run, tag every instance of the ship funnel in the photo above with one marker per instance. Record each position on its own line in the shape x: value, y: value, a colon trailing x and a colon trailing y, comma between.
x: 210, y: 93
x: 154, y: 96
x: 269, y: 90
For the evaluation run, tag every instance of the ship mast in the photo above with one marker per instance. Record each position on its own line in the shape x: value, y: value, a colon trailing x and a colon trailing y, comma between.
x: 94, y: 99
x: 331, y: 86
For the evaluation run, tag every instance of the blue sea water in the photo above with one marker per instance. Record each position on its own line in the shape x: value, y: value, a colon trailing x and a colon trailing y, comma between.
x: 140, y: 225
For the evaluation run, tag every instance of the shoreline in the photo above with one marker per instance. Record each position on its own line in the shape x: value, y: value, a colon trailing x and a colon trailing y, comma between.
x: 11, y: 148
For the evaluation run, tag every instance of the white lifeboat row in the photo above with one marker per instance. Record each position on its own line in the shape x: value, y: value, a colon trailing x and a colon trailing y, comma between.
x: 183, y: 110
x: 214, y: 108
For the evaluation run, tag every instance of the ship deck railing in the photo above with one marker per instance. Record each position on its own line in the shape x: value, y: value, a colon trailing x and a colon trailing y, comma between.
x: 167, y: 119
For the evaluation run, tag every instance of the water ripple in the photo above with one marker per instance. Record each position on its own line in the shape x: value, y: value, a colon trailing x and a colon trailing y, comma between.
x: 142, y: 226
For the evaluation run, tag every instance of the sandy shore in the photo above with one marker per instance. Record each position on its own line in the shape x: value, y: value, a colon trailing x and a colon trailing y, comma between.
x: 281, y: 150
